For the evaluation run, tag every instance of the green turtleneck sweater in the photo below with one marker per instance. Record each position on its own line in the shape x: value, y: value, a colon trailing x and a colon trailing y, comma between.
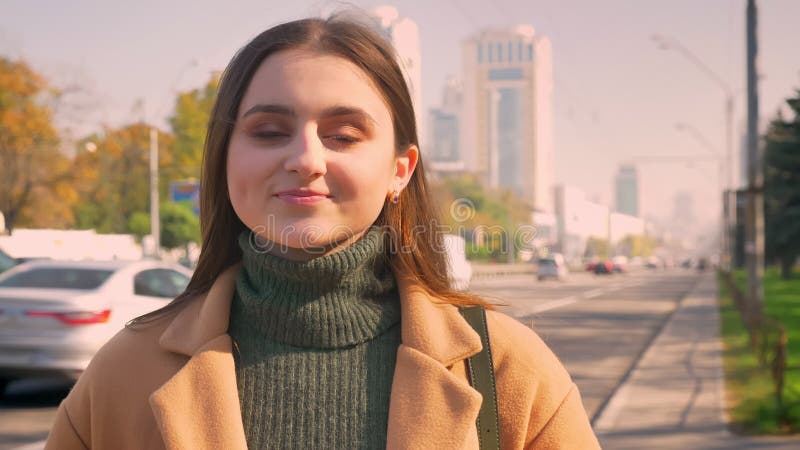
x: 315, y: 345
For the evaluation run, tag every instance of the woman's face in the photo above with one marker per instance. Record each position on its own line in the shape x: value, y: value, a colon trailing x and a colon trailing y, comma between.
x: 312, y: 158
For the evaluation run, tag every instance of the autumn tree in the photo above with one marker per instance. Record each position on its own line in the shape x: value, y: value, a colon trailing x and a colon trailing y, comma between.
x: 34, y: 172
x: 113, y: 177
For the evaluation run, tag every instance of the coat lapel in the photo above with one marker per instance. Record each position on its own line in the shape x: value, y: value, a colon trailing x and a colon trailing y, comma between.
x: 432, y: 404
x: 198, y: 408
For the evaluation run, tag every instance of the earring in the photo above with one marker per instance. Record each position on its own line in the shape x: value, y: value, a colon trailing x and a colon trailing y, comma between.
x: 395, y: 197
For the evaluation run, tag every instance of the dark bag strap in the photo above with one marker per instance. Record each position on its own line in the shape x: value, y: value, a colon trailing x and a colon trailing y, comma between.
x: 481, y: 377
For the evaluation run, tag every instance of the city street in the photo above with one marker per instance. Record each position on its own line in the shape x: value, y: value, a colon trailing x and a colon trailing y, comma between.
x: 597, y: 325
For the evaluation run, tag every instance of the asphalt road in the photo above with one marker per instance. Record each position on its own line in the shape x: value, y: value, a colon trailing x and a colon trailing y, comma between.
x: 597, y: 325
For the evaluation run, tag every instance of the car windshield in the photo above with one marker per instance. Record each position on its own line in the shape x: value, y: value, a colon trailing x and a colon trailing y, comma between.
x: 6, y: 262
x: 58, y: 278
x: 547, y: 262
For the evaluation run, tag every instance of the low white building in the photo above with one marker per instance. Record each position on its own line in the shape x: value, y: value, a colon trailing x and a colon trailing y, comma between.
x: 70, y: 245
x: 580, y: 219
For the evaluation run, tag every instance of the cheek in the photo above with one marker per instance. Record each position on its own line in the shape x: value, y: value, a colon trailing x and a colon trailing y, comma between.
x: 363, y: 181
x: 247, y: 171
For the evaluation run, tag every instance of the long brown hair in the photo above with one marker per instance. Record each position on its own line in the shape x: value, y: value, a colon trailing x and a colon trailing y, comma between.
x: 413, y: 237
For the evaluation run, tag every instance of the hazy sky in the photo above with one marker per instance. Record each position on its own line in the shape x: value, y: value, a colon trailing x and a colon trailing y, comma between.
x: 616, y: 95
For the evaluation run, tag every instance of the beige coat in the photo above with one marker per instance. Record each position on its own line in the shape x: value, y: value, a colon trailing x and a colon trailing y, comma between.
x: 173, y: 384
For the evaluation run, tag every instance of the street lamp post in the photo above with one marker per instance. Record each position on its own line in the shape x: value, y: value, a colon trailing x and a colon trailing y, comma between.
x: 155, y: 219
x: 669, y: 43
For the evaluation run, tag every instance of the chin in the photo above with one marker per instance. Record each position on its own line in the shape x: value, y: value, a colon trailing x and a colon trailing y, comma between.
x: 307, y: 234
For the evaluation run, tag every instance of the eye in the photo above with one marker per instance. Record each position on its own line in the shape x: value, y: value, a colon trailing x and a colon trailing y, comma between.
x: 343, y: 136
x: 270, y: 135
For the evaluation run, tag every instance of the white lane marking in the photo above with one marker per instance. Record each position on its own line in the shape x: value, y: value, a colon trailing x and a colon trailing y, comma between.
x: 584, y: 296
x: 594, y: 293
x: 554, y: 304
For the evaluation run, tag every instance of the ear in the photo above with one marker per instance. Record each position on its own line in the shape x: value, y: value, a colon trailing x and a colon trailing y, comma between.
x: 404, y: 166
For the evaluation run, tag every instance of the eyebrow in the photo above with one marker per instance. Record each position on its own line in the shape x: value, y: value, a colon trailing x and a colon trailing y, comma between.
x: 332, y: 111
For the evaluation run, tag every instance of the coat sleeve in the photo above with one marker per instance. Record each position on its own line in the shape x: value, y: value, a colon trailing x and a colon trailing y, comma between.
x: 567, y: 428
x: 539, y: 405
x: 63, y: 435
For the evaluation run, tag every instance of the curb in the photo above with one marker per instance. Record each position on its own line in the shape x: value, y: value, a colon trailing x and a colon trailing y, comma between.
x: 606, y: 413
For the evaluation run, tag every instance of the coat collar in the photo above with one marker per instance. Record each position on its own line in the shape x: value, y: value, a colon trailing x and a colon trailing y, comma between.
x: 429, y: 405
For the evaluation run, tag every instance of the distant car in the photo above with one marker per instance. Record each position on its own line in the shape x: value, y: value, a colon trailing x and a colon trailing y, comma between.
x: 654, y: 263
x: 6, y: 261
x: 54, y: 315
x: 551, y: 268
x: 604, y: 268
x: 619, y: 264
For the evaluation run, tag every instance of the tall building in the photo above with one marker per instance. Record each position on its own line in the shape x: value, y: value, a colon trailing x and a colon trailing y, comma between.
x: 403, y: 33
x: 506, y: 127
x: 627, y: 190
x: 443, y: 149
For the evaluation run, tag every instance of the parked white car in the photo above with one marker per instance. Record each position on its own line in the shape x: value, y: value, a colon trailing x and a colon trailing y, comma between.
x: 55, y: 315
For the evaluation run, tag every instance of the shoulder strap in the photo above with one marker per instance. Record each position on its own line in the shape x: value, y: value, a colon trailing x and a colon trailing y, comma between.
x: 481, y: 377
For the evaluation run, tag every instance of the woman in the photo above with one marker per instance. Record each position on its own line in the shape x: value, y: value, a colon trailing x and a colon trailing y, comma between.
x: 320, y: 314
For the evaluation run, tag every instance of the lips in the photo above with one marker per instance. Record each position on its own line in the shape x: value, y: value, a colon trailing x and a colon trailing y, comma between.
x: 302, y: 196
x: 302, y: 193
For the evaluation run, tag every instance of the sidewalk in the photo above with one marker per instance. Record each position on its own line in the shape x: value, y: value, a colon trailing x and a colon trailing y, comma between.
x: 673, y: 399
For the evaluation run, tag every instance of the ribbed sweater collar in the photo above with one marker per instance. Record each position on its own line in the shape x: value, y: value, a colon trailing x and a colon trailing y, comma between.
x: 333, y: 301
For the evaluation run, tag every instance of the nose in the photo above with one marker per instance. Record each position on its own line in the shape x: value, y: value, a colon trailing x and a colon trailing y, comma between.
x: 307, y: 157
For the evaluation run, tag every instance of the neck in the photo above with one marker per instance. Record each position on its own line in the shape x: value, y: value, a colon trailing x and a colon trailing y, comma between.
x: 262, y: 244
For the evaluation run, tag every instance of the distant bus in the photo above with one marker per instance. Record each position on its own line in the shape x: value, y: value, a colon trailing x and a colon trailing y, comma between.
x: 460, y: 268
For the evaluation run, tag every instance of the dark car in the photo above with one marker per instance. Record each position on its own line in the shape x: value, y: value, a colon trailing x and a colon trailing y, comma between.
x: 604, y: 268
x: 6, y: 262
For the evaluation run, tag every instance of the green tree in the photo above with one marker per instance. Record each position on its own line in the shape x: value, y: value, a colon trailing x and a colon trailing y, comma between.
x: 596, y: 247
x: 782, y: 188
x: 139, y: 225
x: 34, y: 171
x: 179, y: 225
x: 637, y: 245
x: 488, y: 218
x: 189, y: 125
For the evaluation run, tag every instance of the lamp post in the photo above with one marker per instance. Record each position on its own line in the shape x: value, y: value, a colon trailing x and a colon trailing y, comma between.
x: 155, y: 219
x: 669, y: 43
